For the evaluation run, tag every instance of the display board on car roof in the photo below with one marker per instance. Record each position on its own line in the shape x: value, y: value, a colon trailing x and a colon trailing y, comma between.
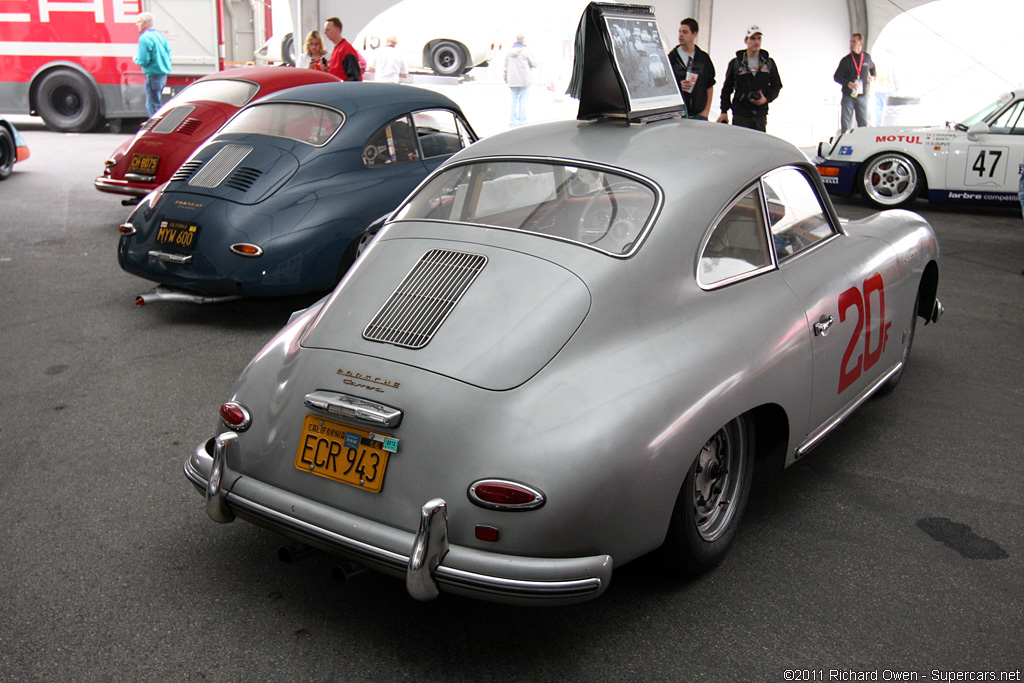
x: 621, y: 68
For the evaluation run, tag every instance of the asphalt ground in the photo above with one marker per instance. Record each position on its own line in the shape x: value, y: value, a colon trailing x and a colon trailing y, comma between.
x: 895, y: 550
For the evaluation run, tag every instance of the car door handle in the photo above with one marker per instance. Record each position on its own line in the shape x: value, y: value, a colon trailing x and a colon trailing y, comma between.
x: 821, y: 327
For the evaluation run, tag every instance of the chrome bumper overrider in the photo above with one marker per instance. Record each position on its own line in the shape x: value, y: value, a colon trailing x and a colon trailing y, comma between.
x: 425, y: 559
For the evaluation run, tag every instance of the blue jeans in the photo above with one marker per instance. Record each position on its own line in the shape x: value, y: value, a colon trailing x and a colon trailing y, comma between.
x: 1020, y: 193
x: 850, y: 105
x: 154, y: 87
x: 517, y: 117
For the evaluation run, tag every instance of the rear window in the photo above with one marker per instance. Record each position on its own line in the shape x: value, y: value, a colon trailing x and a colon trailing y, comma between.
x: 308, y: 123
x: 601, y: 208
x: 228, y: 91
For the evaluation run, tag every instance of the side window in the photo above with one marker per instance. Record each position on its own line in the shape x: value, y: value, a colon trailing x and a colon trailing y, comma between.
x: 439, y: 133
x: 391, y: 144
x: 738, y: 244
x: 1010, y: 121
x: 795, y: 214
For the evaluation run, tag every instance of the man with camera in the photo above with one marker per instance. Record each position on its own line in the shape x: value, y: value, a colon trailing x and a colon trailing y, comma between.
x: 751, y: 82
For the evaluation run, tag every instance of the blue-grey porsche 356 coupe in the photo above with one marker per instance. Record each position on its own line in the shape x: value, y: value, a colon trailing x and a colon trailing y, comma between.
x: 565, y: 350
x: 275, y: 203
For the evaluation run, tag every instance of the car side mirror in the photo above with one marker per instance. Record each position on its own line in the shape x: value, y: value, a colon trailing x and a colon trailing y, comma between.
x: 976, y: 130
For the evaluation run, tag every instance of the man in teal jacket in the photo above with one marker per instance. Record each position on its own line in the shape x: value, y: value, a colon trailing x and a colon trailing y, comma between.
x: 155, y: 59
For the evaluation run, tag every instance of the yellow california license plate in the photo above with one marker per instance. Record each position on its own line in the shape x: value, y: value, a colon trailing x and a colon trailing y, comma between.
x: 351, y: 455
x: 144, y: 163
x: 178, y: 234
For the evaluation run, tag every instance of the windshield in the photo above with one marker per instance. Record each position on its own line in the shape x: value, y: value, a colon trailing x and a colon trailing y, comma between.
x: 307, y: 123
x: 228, y: 91
x: 985, y: 113
x: 602, y: 209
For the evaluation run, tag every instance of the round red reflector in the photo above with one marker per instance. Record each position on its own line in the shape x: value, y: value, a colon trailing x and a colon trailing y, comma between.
x: 235, y: 416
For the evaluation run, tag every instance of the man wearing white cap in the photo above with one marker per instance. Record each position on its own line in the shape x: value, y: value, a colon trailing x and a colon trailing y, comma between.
x: 751, y: 82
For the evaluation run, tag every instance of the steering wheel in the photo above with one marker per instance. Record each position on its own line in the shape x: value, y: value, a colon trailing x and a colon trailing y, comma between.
x: 605, y: 217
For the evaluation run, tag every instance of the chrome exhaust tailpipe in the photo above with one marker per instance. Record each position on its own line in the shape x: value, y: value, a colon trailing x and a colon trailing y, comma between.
x: 345, y: 571
x: 167, y: 294
x: 293, y: 552
x: 937, y: 310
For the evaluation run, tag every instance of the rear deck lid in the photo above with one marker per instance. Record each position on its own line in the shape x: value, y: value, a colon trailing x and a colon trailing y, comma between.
x: 480, y: 314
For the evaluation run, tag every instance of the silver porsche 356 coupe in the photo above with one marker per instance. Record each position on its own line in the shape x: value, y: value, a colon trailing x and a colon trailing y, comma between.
x: 566, y: 349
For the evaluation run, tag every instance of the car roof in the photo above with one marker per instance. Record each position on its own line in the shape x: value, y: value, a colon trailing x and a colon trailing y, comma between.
x: 352, y: 97
x: 273, y: 77
x: 683, y: 156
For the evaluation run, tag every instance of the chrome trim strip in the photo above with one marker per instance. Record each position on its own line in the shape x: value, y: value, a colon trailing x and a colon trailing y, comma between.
x: 428, y: 550
x: 168, y: 257
x: 139, y: 178
x: 354, y: 408
x: 821, y: 432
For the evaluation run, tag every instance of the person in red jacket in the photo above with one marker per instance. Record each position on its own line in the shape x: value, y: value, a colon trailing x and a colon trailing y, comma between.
x: 345, y: 62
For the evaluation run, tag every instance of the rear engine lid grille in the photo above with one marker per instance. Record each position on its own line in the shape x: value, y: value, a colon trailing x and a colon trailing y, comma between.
x: 186, y: 170
x: 422, y: 302
x: 189, y: 127
x: 243, y: 178
x: 172, y: 119
x: 220, y: 166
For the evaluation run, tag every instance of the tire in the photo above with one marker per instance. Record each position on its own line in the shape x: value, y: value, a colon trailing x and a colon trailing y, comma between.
x: 891, y: 383
x: 447, y: 58
x: 288, y: 49
x: 711, y: 501
x: 68, y: 102
x: 8, y: 153
x: 890, y: 180
x: 355, y: 250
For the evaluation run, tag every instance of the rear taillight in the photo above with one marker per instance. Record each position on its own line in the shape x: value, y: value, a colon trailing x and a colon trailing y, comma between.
x: 245, y: 249
x: 127, y: 229
x: 236, y: 416
x: 499, y: 494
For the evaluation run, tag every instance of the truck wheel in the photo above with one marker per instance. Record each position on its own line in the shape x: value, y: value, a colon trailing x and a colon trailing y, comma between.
x: 67, y: 102
x: 447, y: 58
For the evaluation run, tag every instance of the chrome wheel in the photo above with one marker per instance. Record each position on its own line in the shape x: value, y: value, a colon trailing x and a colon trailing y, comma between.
x: 890, y: 180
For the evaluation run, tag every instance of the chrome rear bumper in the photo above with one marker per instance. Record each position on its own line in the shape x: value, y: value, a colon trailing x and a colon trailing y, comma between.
x: 425, y: 560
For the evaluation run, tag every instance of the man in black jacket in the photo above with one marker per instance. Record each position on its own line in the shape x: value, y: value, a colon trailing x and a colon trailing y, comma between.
x: 854, y: 73
x: 751, y: 82
x: 693, y: 70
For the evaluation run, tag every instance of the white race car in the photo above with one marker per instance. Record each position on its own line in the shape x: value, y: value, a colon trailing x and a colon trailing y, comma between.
x: 977, y: 161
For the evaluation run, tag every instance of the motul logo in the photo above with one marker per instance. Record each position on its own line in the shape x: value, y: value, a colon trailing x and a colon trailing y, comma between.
x: 909, y: 139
